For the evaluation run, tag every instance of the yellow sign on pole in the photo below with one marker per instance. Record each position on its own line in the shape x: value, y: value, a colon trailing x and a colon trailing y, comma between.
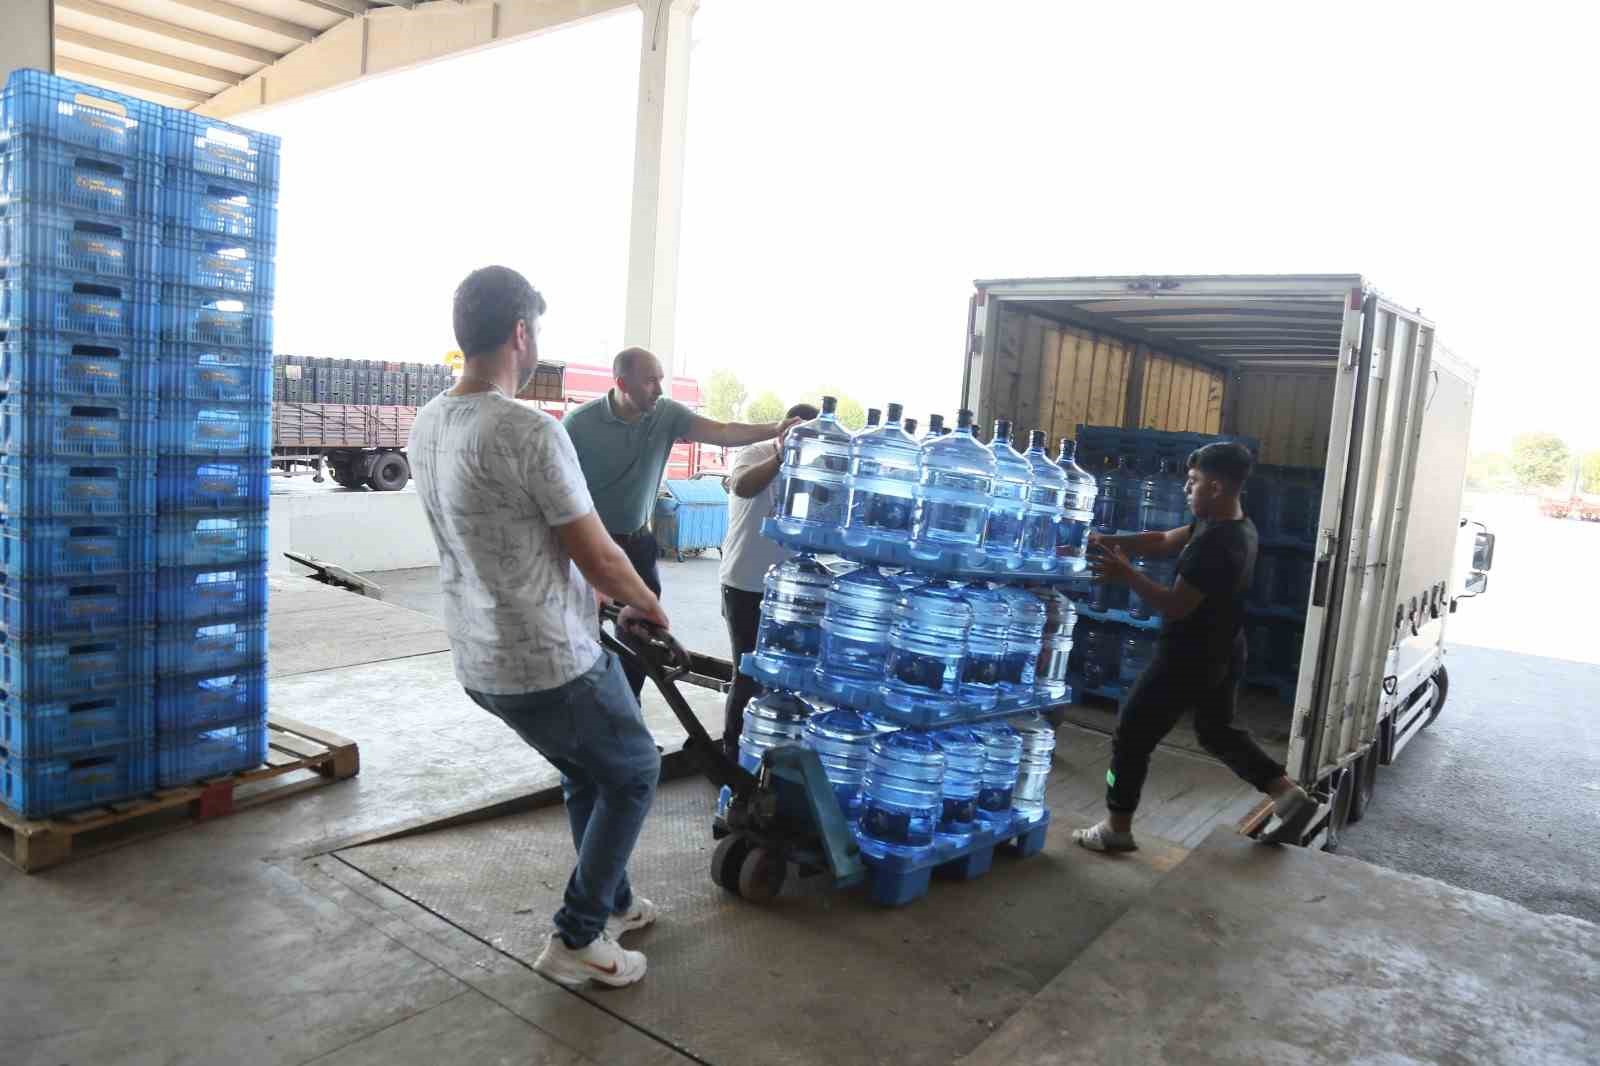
x: 454, y: 360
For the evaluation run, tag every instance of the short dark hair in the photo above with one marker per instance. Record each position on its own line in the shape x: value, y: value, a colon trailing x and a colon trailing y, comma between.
x: 627, y: 361
x: 1223, y: 459
x: 488, y: 305
x: 802, y: 410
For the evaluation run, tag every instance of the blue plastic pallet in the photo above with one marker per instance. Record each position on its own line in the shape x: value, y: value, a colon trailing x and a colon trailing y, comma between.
x: 893, y: 880
x: 40, y: 788
x: 195, y: 594
x: 92, y: 604
x: 43, y: 728
x: 206, y: 538
x: 82, y: 115
x: 215, y: 316
x: 210, y: 646
x: 60, y: 301
x: 216, y: 261
x: 215, y: 149
x: 215, y: 372
x: 215, y: 483
x: 71, y: 547
x: 39, y: 487
x: 63, y: 666
x: 215, y: 427
x: 75, y: 365
x: 1120, y: 616
x: 208, y: 203
x: 205, y: 699
x: 211, y: 749
x: 77, y: 178
x: 101, y: 427
x: 955, y: 564
x: 1110, y: 690
x: 85, y: 243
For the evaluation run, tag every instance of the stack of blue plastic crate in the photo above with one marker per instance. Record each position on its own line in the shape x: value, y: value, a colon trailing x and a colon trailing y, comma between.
x: 79, y: 200
x: 218, y: 236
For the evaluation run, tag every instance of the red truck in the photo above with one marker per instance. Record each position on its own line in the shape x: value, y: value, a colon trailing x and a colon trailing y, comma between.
x: 1582, y: 505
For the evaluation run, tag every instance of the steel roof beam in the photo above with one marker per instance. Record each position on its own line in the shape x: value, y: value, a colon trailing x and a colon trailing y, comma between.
x: 147, y: 56
x: 340, y: 7
x: 130, y: 81
x: 208, y: 41
x: 254, y: 19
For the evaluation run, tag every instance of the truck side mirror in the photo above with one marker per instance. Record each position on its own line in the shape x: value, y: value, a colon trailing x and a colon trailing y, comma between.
x: 1482, y: 553
x: 1477, y: 583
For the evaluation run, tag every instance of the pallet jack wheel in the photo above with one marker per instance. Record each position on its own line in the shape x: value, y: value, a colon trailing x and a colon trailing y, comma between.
x: 728, y: 860
x: 761, y: 875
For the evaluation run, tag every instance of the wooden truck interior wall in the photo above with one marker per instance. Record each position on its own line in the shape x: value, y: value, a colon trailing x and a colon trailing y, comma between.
x: 1053, y: 376
x: 1289, y: 411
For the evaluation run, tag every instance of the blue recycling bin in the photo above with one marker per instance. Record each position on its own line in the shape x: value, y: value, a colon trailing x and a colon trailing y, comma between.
x: 691, y: 516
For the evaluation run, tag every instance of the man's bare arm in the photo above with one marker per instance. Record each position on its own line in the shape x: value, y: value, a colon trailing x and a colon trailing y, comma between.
x: 607, y: 568
x: 749, y: 482
x: 1156, y: 544
x: 734, y: 434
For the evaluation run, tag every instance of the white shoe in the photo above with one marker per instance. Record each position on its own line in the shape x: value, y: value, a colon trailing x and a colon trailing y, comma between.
x: 643, y: 913
x: 602, y: 960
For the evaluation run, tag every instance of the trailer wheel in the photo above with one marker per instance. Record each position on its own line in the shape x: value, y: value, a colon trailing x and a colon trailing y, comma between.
x: 1441, y: 681
x: 761, y: 875
x: 727, y: 860
x: 390, y: 472
x: 344, y: 476
x: 1339, y: 808
x: 1366, y: 785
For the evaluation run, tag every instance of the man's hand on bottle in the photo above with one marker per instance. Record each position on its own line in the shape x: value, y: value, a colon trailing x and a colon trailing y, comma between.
x: 785, y: 426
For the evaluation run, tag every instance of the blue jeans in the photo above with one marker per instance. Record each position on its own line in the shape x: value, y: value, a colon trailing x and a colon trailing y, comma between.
x: 592, y: 731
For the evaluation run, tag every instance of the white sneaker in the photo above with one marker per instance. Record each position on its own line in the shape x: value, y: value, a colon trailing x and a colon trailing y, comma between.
x: 602, y: 960
x: 643, y: 913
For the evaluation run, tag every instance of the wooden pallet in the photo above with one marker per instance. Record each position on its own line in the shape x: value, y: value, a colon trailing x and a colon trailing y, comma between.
x: 32, y: 845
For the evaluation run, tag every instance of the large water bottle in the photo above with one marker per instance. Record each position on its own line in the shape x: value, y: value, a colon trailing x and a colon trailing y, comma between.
x: 1078, y: 506
x: 954, y: 477
x: 1162, y: 505
x: 842, y: 740
x: 963, y: 780
x: 1118, y: 505
x: 1038, y: 749
x: 883, y: 483
x: 1023, y: 640
x: 815, y: 473
x: 1138, y: 648
x: 927, y: 643
x: 1002, y: 761
x: 1161, y: 571
x: 792, y: 608
x: 770, y: 719
x: 1055, y: 646
x: 1047, y: 496
x: 1097, y: 648
x: 985, y: 663
x: 1107, y: 596
x: 1008, y: 498
x: 935, y: 429
x: 855, y: 628
x: 902, y: 795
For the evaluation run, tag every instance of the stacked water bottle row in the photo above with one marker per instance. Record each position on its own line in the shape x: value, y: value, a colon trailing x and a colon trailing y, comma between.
x: 105, y: 379
x: 1285, y: 503
x: 946, y: 504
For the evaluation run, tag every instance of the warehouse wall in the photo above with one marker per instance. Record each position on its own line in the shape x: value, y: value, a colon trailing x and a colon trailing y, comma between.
x: 359, y: 531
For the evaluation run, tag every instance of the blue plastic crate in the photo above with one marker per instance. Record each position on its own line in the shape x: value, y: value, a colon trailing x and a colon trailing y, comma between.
x: 203, y: 593
x: 216, y: 372
x: 76, y: 241
x: 204, y: 699
x: 206, y: 538
x: 1146, y: 447
x: 212, y: 316
x: 216, y: 261
x: 40, y: 788
x: 215, y: 427
x: 91, y: 604
x: 77, y: 365
x: 78, y: 114
x: 211, y: 750
x: 40, y: 669
x: 76, y: 178
x: 68, y: 547
x: 210, y: 646
x: 35, y: 487
x: 50, y: 300
x: 65, y: 725
x: 211, y: 204
x: 895, y: 880
x: 216, y: 149
x: 110, y: 427
x: 217, y: 483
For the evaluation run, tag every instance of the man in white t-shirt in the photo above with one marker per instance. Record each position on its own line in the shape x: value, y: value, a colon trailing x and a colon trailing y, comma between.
x: 746, y: 555
x: 521, y: 556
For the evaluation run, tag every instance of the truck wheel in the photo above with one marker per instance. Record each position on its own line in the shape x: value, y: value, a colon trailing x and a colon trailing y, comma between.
x: 1441, y: 680
x: 1339, y: 809
x: 1366, y: 785
x: 390, y: 472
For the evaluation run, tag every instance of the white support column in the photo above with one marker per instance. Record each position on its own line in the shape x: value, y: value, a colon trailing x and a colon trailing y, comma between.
x: 29, y: 37
x: 658, y: 177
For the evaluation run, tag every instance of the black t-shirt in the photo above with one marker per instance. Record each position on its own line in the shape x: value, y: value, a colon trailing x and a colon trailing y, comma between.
x: 1219, y: 561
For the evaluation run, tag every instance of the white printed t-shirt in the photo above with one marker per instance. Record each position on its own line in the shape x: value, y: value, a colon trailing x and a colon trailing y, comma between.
x: 496, y: 476
x: 746, y: 554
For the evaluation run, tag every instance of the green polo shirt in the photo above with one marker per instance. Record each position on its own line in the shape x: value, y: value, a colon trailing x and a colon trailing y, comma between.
x: 623, y: 461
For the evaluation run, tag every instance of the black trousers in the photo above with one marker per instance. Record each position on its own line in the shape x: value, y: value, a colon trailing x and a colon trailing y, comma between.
x: 641, y: 550
x: 742, y: 611
x: 1169, y: 686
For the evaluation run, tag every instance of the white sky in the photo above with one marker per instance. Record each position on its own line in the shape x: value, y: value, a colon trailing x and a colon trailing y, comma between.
x: 852, y: 167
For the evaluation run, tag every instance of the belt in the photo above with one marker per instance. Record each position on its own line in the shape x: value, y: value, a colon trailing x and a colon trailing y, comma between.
x: 629, y: 538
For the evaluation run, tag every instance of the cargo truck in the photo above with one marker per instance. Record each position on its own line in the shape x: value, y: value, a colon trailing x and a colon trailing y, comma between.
x: 1326, y: 374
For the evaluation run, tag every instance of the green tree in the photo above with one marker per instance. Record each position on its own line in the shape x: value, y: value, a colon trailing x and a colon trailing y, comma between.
x: 1540, y: 459
x: 1591, y: 472
x: 725, y: 396
x: 766, y: 407
x: 850, y: 413
x: 1489, y: 470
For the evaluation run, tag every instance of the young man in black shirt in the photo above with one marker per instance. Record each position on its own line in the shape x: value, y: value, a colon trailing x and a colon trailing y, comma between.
x: 1200, y: 654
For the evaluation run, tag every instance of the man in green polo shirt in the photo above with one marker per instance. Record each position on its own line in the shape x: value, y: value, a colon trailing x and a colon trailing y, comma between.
x: 623, y: 440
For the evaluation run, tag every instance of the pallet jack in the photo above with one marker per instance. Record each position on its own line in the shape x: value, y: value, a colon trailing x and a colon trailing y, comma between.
x: 784, y: 814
